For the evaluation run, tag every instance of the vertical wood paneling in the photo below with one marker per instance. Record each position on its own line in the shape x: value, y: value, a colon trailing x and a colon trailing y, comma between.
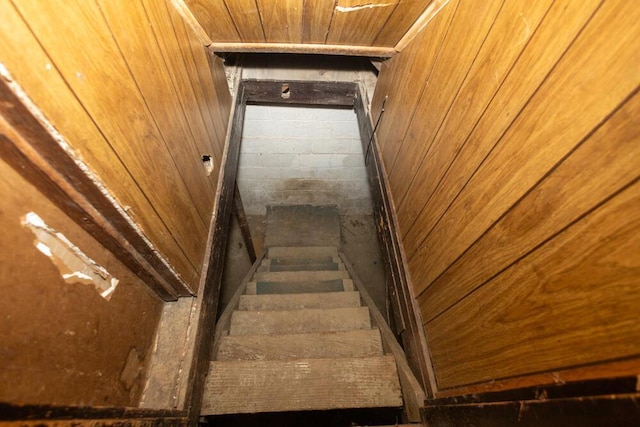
x: 282, y: 20
x: 214, y: 17
x: 47, y: 88
x: 514, y: 25
x: 130, y: 27
x: 414, y: 66
x: 467, y: 32
x: 597, y: 74
x: 601, y: 166
x: 534, y: 64
x: 399, y: 22
x: 144, y: 116
x: 246, y: 17
x: 316, y: 20
x: 512, y: 184
x: 357, y: 24
x: 572, y: 303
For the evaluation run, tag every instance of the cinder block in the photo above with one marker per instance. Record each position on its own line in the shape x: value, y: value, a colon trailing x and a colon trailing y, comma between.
x: 315, y: 160
x: 359, y: 173
x: 329, y: 146
x: 345, y: 129
x: 250, y: 160
x: 344, y: 174
x: 257, y: 112
x: 308, y: 129
x: 278, y: 160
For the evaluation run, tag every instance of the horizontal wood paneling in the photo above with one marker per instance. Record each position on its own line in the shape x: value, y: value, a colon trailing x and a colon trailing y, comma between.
x: 140, y: 106
x: 509, y: 178
x: 377, y: 23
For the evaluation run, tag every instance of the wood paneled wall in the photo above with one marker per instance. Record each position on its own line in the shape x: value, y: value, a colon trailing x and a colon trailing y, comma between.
x: 133, y: 92
x: 512, y: 144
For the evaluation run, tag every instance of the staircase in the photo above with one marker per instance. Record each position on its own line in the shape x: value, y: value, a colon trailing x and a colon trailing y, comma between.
x: 296, y: 337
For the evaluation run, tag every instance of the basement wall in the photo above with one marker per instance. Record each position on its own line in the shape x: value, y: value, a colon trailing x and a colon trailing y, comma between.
x: 511, y: 142
x: 298, y: 155
x: 139, y: 100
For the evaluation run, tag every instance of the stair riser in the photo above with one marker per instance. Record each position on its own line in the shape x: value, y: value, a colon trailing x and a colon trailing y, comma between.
x: 299, y: 301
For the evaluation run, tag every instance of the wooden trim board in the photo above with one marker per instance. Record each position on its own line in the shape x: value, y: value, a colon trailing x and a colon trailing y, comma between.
x: 337, y: 94
x: 310, y: 48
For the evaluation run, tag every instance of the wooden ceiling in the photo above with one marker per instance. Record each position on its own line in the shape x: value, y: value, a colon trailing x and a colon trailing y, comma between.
x: 356, y: 27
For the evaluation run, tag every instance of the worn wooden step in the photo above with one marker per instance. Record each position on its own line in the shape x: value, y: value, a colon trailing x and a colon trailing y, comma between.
x: 265, y: 288
x: 301, y: 251
x: 299, y: 276
x: 331, y: 266
x: 299, y: 321
x: 318, y: 345
x: 235, y: 387
x: 298, y: 261
x: 299, y: 301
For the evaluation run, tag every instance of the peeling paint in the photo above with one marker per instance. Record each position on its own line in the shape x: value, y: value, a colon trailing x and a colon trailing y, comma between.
x: 75, y: 267
x: 347, y: 9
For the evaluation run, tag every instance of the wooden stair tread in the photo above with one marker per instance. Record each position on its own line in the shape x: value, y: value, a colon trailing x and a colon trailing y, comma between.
x: 324, y: 345
x: 330, y: 266
x: 234, y: 387
x: 266, y: 287
x: 304, y: 261
x: 301, y: 251
x: 299, y: 321
x: 299, y: 301
x: 300, y: 276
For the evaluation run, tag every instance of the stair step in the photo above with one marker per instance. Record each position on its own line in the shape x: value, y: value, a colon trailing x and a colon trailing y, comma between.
x: 299, y: 321
x: 301, y: 251
x: 299, y: 276
x: 299, y: 301
x: 299, y: 261
x: 265, y: 288
x: 235, y: 387
x: 330, y: 266
x: 324, y: 345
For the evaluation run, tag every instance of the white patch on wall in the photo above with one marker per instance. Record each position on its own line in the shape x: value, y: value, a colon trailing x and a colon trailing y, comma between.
x: 300, y: 155
x: 75, y: 267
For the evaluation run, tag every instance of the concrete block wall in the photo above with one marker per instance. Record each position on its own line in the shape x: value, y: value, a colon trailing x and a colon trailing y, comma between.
x: 300, y: 155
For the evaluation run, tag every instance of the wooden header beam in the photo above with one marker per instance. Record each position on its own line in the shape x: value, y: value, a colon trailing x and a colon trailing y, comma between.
x: 305, y: 48
x: 300, y: 92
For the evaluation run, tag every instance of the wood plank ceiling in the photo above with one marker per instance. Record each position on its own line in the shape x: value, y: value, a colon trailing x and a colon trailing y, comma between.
x: 356, y: 27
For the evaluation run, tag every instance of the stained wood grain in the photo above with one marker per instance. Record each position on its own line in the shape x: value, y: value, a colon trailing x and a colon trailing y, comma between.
x: 130, y: 26
x: 302, y: 251
x: 214, y: 17
x: 400, y: 21
x: 600, y: 167
x: 299, y: 321
x: 320, y: 345
x: 355, y: 24
x: 316, y: 20
x: 402, y: 80
x: 246, y: 16
x: 512, y: 29
x: 534, y: 64
x: 466, y: 35
x: 300, y: 276
x: 282, y: 20
x: 303, y: 384
x: 584, y: 279
x: 544, y: 132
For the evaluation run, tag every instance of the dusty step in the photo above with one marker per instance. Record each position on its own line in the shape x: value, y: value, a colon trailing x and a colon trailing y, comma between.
x: 235, y: 387
x: 299, y: 301
x: 298, y: 261
x: 302, y: 251
x: 299, y: 276
x: 265, y: 288
x: 319, y: 345
x: 331, y: 266
x: 299, y: 321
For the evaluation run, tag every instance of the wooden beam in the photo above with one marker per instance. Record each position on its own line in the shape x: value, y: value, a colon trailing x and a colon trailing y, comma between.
x: 238, y: 209
x: 412, y: 391
x: 308, y: 48
x: 613, y: 401
x: 430, y: 12
x: 300, y: 92
x: 51, y: 415
x: 411, y: 331
x: 199, y: 354
x: 192, y: 22
x: 31, y: 146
